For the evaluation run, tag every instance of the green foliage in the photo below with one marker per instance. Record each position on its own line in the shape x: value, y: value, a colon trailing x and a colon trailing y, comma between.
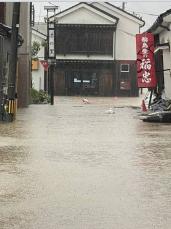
x: 39, y: 97
x: 35, y: 49
x: 44, y: 43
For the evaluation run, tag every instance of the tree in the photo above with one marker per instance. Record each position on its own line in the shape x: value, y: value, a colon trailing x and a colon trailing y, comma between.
x: 35, y: 49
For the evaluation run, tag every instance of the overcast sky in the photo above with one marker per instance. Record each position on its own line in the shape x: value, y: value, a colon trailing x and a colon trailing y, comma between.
x: 149, y: 10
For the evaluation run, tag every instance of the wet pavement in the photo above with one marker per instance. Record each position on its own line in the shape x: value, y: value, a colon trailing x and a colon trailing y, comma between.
x: 74, y: 166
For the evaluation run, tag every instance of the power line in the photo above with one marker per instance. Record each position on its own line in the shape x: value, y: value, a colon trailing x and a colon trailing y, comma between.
x: 119, y: 1
x: 54, y: 2
x: 154, y: 15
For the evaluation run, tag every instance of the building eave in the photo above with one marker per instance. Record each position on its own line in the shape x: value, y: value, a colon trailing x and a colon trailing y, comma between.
x: 110, y: 15
x: 42, y: 35
x: 88, y: 5
x: 164, y: 46
x: 74, y: 61
x: 6, y: 31
x: 127, y: 13
x: 159, y: 24
x: 94, y: 26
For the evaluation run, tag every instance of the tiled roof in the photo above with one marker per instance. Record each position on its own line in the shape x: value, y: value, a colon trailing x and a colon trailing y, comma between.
x: 159, y: 21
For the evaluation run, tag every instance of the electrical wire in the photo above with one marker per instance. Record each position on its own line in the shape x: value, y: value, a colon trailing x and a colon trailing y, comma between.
x: 54, y: 2
x: 118, y: 1
x: 149, y: 14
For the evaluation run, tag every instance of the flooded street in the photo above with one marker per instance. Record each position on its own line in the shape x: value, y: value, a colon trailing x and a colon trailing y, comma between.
x: 74, y: 166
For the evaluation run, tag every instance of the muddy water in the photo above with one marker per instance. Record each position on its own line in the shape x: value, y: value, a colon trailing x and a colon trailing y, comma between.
x: 74, y: 166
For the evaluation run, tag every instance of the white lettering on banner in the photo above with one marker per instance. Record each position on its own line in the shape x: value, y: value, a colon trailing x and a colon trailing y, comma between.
x: 145, y: 45
x: 145, y: 52
x: 146, y: 63
x: 144, y: 39
x: 146, y: 77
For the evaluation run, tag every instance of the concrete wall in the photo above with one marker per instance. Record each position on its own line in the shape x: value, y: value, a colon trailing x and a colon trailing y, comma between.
x: 24, y: 57
x: 8, y: 14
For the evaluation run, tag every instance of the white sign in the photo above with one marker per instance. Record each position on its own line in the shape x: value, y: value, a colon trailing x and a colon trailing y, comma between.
x: 51, y: 43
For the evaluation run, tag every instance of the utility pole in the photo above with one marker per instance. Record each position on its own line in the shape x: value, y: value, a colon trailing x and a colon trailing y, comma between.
x: 123, y: 5
x: 12, y: 100
x: 51, y: 49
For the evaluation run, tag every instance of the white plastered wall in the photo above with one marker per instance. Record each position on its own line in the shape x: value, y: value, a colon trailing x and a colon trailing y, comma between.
x: 126, y: 30
x: 125, y: 40
x: 84, y: 16
x: 38, y: 75
x: 165, y: 37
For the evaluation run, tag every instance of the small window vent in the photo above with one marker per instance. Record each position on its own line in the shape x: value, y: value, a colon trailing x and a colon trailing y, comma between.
x: 124, y: 67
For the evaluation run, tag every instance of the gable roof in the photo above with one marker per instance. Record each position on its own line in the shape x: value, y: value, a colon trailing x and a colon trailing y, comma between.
x: 88, y: 6
x: 124, y: 11
x: 42, y: 35
x: 160, y: 24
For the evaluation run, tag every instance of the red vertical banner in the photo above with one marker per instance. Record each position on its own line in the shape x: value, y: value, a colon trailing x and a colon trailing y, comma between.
x: 145, y: 60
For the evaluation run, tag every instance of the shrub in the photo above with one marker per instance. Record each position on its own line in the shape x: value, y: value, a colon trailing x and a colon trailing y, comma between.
x: 35, y: 48
x: 39, y: 97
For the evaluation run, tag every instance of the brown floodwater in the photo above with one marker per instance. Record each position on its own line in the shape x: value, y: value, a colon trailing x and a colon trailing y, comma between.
x: 75, y: 166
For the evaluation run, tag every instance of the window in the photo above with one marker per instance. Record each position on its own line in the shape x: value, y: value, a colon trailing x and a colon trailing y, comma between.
x: 124, y: 67
x: 84, y: 40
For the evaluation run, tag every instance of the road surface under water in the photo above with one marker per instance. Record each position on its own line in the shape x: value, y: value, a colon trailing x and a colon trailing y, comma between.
x: 74, y: 166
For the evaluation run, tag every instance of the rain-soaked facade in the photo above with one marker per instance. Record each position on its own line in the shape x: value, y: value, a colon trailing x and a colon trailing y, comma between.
x: 102, y: 78
x: 95, y: 51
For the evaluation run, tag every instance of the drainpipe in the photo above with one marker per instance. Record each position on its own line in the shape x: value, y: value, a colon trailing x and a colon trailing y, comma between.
x: 114, y: 72
x: 114, y: 56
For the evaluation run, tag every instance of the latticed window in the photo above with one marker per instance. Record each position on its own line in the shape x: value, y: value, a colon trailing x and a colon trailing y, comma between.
x: 84, y: 40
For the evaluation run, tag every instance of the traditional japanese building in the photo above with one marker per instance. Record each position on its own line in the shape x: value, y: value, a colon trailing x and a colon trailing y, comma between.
x: 24, y: 56
x: 5, y: 50
x: 96, y: 50
x: 162, y: 36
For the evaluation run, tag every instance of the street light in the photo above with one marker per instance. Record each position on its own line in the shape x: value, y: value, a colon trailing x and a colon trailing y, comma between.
x: 51, y: 47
